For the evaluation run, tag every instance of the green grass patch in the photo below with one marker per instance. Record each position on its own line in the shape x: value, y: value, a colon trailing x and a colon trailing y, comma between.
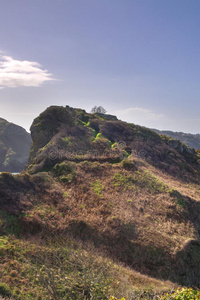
x: 9, y: 224
x: 5, y: 290
x: 100, y: 138
x: 113, y: 145
x: 183, y: 294
x: 143, y: 180
x: 65, y: 195
x: 97, y: 187
x: 65, y: 171
x: 181, y: 202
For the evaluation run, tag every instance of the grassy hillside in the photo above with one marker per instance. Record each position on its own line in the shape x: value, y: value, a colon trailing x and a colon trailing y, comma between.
x: 104, y: 208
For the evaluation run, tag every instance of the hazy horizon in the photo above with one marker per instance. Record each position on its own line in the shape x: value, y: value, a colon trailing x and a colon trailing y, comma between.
x: 140, y: 59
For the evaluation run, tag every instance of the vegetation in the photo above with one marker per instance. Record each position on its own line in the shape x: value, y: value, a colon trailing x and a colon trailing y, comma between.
x: 98, y: 109
x: 185, y: 293
x: 97, y: 187
x: 65, y: 171
x: 179, y: 294
x: 105, y: 210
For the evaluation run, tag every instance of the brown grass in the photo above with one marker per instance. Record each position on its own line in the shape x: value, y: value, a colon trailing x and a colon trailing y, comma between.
x: 139, y: 217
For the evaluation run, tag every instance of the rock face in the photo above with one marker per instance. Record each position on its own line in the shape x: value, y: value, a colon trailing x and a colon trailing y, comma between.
x: 180, y: 147
x: 14, y: 147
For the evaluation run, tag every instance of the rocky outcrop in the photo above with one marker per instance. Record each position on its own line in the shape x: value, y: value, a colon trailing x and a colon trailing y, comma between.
x: 192, y: 140
x: 14, y: 147
x: 64, y: 133
x: 180, y: 147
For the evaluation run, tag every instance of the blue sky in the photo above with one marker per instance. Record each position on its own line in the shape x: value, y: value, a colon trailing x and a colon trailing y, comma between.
x: 140, y: 59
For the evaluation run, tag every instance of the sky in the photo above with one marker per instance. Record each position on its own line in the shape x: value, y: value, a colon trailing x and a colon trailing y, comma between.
x: 139, y: 59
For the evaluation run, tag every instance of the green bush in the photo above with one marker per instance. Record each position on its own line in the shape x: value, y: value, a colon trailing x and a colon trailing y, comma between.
x: 65, y: 171
x: 184, y: 293
x: 128, y: 165
x: 9, y: 224
x: 179, y: 294
x: 63, y: 168
x: 5, y: 290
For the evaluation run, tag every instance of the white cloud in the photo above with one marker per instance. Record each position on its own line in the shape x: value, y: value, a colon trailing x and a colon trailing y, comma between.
x: 151, y: 119
x: 141, y: 116
x: 15, y: 73
x: 140, y: 112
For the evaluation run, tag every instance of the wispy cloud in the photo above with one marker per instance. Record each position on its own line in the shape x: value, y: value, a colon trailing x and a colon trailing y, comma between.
x: 16, y: 73
x: 139, y: 115
x: 140, y: 112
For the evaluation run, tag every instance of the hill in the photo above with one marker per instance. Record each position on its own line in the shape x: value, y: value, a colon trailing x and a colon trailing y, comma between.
x: 14, y: 147
x: 103, y: 208
x: 192, y: 140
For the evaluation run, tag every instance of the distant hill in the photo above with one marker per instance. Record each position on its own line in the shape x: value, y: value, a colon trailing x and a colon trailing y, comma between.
x: 14, y: 147
x: 192, y: 140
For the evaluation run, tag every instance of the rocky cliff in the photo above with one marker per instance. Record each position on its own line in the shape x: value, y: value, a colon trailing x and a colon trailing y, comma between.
x: 14, y: 147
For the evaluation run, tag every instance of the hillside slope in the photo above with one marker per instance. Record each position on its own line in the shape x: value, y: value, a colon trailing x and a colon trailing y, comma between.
x: 14, y: 147
x: 192, y: 140
x: 101, y: 188
x: 65, y: 133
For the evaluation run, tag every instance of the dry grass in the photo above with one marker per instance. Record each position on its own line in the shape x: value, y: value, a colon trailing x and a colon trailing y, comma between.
x: 139, y: 219
x: 67, y: 269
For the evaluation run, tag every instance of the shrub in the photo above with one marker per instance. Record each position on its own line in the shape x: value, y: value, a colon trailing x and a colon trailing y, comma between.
x: 63, y: 168
x: 128, y: 165
x: 65, y: 171
x: 98, y: 109
x: 184, y: 293
x: 5, y: 290
x: 9, y: 224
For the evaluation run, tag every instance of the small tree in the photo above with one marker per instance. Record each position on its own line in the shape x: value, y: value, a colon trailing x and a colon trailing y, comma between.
x: 98, y: 109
